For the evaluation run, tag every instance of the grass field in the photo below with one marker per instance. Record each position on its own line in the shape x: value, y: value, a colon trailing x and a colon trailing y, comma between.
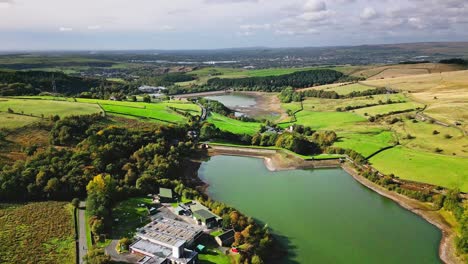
x: 330, y: 105
x: 347, y: 89
x: 409, y: 164
x: 130, y: 215
x: 401, y: 70
x: 386, y: 109
x: 159, y: 112
x: 365, y: 143
x: 328, y: 120
x: 11, y: 121
x: 450, y: 140
x: 445, y: 94
x: 37, y: 233
x: 47, y: 108
x: 233, y: 125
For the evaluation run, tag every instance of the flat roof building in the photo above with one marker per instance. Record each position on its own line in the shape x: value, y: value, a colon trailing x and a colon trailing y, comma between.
x: 164, y: 241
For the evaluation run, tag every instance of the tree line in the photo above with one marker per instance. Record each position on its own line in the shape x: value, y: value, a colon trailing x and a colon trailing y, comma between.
x: 299, y: 79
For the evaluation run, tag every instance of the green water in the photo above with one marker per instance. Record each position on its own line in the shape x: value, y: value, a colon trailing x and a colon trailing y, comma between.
x: 322, y: 216
x: 234, y: 100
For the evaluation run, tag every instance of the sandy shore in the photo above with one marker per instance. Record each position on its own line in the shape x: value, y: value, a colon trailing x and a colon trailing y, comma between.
x: 275, y: 161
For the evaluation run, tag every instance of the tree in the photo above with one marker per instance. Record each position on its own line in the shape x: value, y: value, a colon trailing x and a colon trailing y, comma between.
x: 256, y: 260
x: 97, y: 256
x: 97, y: 227
x: 75, y: 202
x: 146, y: 98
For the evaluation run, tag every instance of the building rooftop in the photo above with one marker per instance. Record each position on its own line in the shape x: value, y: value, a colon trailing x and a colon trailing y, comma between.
x: 226, y: 235
x: 169, y: 232
x: 204, y: 214
x: 158, y: 253
x: 165, y: 192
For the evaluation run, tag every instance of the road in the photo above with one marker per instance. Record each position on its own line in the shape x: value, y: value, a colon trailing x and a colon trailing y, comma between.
x: 83, y: 245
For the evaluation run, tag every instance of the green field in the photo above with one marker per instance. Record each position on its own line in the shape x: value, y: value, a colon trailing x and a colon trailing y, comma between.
x: 441, y: 170
x: 347, y: 89
x: 232, y: 125
x: 213, y: 255
x: 385, y: 109
x: 365, y: 143
x: 11, y: 121
x: 37, y: 233
x: 449, y: 139
x: 328, y: 120
x: 48, y: 105
x: 47, y: 108
x: 130, y: 215
x: 330, y: 105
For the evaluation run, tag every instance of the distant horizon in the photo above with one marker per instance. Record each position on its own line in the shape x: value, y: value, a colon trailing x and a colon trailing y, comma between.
x: 228, y: 48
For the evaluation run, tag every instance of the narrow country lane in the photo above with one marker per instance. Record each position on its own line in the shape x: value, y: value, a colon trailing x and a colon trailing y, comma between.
x: 83, y: 246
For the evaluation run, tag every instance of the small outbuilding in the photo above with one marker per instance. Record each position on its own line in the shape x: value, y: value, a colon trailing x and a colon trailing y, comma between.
x: 225, y: 239
x: 166, y: 195
x: 206, y: 218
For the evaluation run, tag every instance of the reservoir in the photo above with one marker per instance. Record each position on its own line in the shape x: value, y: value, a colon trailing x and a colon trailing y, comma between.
x: 234, y: 101
x: 322, y: 216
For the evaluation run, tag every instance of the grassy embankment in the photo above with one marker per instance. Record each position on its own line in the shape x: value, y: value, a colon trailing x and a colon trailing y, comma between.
x: 40, y: 232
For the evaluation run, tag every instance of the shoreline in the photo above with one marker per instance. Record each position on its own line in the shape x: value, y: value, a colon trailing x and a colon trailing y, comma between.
x: 276, y: 161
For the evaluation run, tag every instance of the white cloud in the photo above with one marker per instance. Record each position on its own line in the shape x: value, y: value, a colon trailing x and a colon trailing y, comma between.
x: 315, y: 6
x: 255, y: 27
x: 65, y: 29
x: 94, y: 27
x: 369, y: 13
x: 315, y: 16
x: 5, y: 4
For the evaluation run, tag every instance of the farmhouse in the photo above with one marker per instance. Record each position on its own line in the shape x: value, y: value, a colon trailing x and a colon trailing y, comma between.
x: 225, y: 239
x: 151, y: 89
x: 164, y: 241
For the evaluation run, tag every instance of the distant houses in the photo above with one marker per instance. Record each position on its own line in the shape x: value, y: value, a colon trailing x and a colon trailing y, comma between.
x: 152, y: 89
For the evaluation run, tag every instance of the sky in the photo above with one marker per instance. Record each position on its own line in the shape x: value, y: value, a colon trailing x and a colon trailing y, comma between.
x: 209, y: 24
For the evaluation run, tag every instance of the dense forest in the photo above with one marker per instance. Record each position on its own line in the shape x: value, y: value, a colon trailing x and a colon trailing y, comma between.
x: 36, y: 82
x: 300, y: 79
x: 90, y: 157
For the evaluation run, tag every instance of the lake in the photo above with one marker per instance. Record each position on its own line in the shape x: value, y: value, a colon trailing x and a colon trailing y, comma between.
x: 322, y: 216
x: 234, y: 100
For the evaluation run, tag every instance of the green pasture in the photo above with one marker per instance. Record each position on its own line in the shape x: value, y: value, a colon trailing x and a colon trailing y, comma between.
x: 428, y: 136
x: 415, y: 165
x: 330, y: 105
x: 347, y: 89
x: 11, y: 121
x: 46, y: 108
x: 232, y: 125
x: 385, y: 109
x: 129, y: 215
x: 365, y: 143
x: 327, y: 120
